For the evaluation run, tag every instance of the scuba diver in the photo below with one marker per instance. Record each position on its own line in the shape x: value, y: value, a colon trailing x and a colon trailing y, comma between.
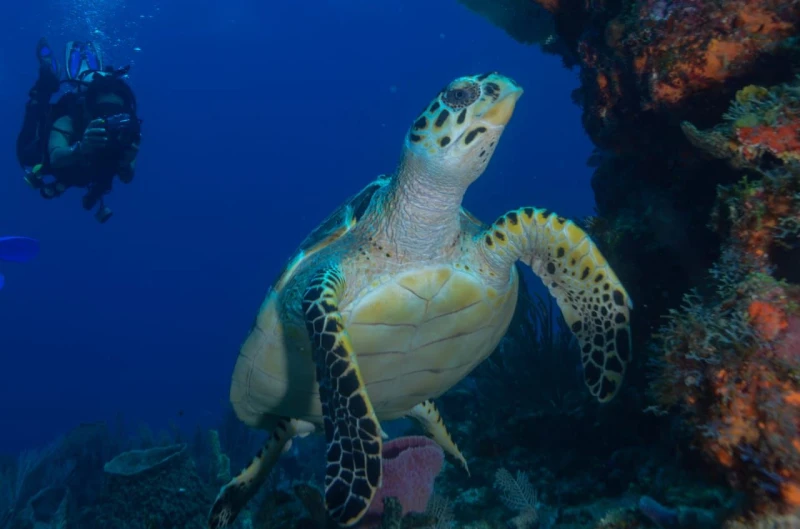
x: 88, y: 136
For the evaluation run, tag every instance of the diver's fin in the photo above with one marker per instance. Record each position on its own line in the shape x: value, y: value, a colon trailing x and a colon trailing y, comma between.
x: 18, y: 249
x: 44, y: 53
x: 83, y: 57
x: 93, y: 56
x: 72, y: 59
x: 75, y: 61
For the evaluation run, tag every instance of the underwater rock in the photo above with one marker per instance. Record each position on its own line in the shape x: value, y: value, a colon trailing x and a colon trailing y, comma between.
x: 645, y: 62
x: 789, y: 521
x: 679, y: 517
x: 275, y: 507
x: 156, y: 487
x: 761, y: 218
x: 696, y: 108
x: 645, y: 67
x: 526, y: 21
x: 525, y: 520
x: 681, y: 48
x: 392, y: 516
x: 731, y: 358
x: 314, y: 503
x: 762, y: 125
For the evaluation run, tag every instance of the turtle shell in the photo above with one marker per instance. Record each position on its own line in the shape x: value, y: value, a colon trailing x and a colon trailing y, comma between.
x: 417, y: 330
x: 338, y: 223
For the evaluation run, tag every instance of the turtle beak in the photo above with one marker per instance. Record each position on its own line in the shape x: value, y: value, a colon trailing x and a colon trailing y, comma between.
x: 501, y: 112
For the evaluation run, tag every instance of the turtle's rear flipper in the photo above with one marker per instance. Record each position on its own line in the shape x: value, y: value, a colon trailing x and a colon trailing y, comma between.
x: 594, y: 303
x: 428, y: 416
x: 352, y: 430
x: 233, y: 497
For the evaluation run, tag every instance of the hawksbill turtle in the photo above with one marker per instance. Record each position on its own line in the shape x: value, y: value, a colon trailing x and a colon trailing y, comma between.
x: 399, y: 294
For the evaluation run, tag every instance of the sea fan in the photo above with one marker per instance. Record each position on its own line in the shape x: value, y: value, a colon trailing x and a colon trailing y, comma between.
x: 517, y: 494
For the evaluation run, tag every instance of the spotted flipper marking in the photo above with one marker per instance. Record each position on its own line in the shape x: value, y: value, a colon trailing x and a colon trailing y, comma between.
x: 429, y: 417
x: 352, y: 431
x: 233, y: 497
x: 594, y: 303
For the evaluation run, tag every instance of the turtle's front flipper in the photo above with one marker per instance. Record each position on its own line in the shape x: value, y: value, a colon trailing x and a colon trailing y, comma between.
x: 430, y: 419
x: 589, y: 294
x: 234, y: 496
x: 352, y: 431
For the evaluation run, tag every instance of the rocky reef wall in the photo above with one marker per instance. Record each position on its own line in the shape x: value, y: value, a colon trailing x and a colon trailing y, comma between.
x: 694, y: 110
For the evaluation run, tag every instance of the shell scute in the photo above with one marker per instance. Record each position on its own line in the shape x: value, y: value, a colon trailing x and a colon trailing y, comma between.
x: 333, y: 228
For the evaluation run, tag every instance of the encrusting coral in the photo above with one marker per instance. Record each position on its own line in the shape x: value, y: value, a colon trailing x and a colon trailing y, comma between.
x: 731, y: 356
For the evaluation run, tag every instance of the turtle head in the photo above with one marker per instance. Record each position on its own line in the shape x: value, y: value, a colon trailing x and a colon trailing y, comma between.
x: 455, y: 137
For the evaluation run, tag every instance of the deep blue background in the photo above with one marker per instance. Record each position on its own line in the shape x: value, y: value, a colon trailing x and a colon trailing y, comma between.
x: 260, y: 117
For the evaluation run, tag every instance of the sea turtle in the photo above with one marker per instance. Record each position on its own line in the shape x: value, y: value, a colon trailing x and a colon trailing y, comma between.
x: 399, y: 294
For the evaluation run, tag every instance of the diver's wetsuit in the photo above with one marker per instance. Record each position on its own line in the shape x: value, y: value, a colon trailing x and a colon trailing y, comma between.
x: 37, y: 111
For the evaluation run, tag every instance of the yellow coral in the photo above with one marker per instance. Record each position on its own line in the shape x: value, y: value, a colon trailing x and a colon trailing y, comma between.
x: 748, y: 120
x: 751, y: 92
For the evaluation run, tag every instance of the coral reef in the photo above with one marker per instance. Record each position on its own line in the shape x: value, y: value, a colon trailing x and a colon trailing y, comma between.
x: 681, y: 48
x: 646, y: 66
x: 642, y: 61
x: 694, y: 109
x: 392, y: 513
x: 770, y: 522
x: 525, y: 423
x: 156, y: 487
x: 762, y: 124
x: 116, y: 482
x: 731, y: 357
x: 220, y: 468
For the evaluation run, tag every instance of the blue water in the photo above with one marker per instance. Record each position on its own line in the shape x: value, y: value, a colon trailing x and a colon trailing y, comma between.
x: 259, y: 118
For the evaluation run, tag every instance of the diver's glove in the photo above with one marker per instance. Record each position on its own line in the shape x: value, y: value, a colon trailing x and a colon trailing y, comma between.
x: 94, y: 137
x: 125, y: 170
x: 125, y: 173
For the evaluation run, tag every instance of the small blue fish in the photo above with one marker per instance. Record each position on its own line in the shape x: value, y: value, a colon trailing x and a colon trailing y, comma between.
x: 17, y: 250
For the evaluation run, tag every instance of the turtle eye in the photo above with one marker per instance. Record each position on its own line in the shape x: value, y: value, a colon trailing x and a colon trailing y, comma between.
x: 461, y: 96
